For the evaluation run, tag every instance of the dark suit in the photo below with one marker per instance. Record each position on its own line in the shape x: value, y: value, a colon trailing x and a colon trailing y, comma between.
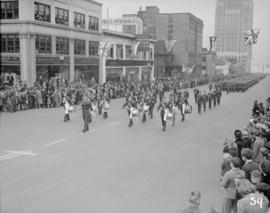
x: 86, y: 107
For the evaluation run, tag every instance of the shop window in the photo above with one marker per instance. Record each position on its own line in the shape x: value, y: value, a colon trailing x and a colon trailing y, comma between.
x: 62, y: 46
x: 10, y: 43
x: 79, y: 20
x: 93, y: 47
x: 44, y: 44
x: 128, y: 51
x: 9, y: 10
x: 119, y: 51
x: 93, y: 23
x: 79, y: 47
x: 42, y: 12
x: 61, y: 16
x: 111, y: 54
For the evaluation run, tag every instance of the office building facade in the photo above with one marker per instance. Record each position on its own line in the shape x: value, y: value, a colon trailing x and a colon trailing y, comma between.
x: 187, y: 31
x: 47, y: 38
x: 232, y: 19
x: 122, y: 62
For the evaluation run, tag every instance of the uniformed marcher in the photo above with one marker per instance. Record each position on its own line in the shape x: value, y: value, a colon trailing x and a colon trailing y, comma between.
x: 199, y: 102
x: 210, y: 98
x: 86, y: 108
x: 204, y: 99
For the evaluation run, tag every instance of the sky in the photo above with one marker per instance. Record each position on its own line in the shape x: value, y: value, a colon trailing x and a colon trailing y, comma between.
x: 205, y: 10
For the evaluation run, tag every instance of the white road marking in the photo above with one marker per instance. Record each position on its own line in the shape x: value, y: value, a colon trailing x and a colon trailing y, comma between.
x: 12, y: 154
x: 114, y: 124
x: 55, y: 142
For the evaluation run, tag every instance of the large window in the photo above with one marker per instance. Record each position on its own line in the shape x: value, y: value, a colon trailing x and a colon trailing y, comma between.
x: 61, y: 16
x: 79, y: 20
x: 93, y: 47
x: 62, y: 46
x: 93, y: 23
x: 111, y: 52
x: 10, y: 43
x: 119, y: 51
x: 9, y: 10
x: 43, y: 44
x: 128, y: 51
x: 42, y: 12
x: 79, y: 47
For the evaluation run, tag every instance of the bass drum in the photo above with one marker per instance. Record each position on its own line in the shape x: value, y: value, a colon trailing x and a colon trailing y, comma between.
x: 188, y: 109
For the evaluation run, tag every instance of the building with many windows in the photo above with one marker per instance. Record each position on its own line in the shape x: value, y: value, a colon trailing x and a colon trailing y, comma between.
x: 124, y: 62
x: 148, y: 16
x: 186, y: 31
x: 183, y: 31
x: 47, y: 38
x: 232, y: 19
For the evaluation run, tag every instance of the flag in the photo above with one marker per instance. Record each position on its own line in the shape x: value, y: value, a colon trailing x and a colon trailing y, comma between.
x: 251, y: 36
x: 169, y: 45
x: 103, y: 48
x: 190, y: 69
x: 135, y: 50
x: 184, y: 68
x: 212, y: 42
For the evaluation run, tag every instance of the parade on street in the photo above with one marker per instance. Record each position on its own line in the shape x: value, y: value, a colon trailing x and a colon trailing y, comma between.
x: 110, y: 106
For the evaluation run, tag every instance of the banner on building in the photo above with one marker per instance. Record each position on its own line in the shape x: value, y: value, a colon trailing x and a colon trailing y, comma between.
x: 143, y: 47
x: 212, y: 40
x: 169, y: 44
x: 103, y: 48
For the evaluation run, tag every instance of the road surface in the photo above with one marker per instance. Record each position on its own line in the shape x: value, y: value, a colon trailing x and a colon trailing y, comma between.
x: 49, y: 166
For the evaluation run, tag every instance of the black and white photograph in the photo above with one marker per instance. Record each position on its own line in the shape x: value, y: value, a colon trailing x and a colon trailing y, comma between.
x: 135, y: 106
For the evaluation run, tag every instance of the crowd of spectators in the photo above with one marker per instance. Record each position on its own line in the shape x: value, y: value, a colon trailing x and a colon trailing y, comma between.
x: 245, y: 169
x: 50, y: 94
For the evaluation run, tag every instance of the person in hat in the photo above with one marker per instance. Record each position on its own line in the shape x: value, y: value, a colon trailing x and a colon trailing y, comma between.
x: 249, y: 165
x: 229, y: 185
x: 255, y: 109
x: 194, y: 203
x: 86, y: 114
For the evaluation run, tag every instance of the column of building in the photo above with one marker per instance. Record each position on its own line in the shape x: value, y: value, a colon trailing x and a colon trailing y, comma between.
x: 28, y: 57
x: 71, y: 60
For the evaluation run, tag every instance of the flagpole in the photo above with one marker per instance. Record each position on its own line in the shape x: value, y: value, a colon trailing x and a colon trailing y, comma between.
x: 107, y: 18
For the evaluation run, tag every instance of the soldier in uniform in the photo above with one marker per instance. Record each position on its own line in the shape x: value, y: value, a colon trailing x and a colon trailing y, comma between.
x: 219, y: 94
x: 204, y: 99
x: 162, y: 109
x: 210, y: 98
x: 199, y: 102
x: 86, y: 108
x: 215, y: 97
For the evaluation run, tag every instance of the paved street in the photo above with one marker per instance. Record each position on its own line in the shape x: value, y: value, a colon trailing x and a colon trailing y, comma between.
x: 50, y: 166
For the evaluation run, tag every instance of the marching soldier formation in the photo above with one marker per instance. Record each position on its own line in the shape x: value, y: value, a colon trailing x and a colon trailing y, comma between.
x: 204, y: 99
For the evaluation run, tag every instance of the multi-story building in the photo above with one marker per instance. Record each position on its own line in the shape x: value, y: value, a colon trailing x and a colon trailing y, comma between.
x: 187, y: 31
x: 123, y: 61
x: 46, y: 38
x: 232, y: 19
x: 148, y: 16
x: 185, y: 28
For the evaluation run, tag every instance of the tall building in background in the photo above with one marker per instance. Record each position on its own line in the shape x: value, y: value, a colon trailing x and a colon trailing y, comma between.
x: 187, y: 31
x: 148, y: 16
x: 233, y: 18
